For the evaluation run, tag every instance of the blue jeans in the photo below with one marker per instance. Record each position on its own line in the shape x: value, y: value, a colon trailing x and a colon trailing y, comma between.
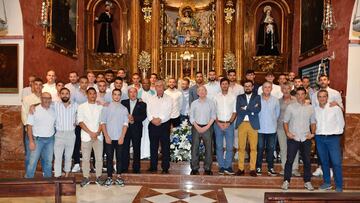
x: 229, y: 139
x: 44, y: 150
x: 267, y: 141
x: 328, y: 148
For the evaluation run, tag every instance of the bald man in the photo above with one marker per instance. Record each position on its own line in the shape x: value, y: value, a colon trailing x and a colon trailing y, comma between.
x: 41, y: 130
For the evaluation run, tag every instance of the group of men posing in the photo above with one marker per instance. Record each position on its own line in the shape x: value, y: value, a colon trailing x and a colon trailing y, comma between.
x: 105, y: 114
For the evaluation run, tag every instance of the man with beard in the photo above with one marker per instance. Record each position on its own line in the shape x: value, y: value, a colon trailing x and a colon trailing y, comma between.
x: 177, y: 97
x: 291, y: 76
x: 297, y: 84
x: 74, y: 82
x: 213, y: 86
x: 65, y: 122
x: 109, y: 77
x: 122, y: 74
x: 248, y: 106
x: 234, y: 88
x: 309, y: 90
x: 193, y: 90
x: 102, y: 92
x: 184, y: 114
x: 282, y: 79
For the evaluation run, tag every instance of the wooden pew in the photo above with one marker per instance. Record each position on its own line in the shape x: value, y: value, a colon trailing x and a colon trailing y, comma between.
x: 271, y: 197
x: 38, y: 187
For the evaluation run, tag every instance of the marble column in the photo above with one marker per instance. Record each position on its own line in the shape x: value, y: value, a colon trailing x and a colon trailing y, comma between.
x: 239, y: 37
x: 219, y: 36
x: 135, y: 34
x: 155, y: 40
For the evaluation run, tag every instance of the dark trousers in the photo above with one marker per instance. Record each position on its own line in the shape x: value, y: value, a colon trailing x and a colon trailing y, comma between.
x: 135, y: 138
x: 305, y: 150
x: 109, y: 151
x: 159, y: 134
x: 268, y: 142
x: 195, y: 155
x: 77, y: 147
x: 175, y: 122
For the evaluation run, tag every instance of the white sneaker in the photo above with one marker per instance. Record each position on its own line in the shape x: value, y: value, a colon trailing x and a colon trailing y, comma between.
x: 308, y: 186
x: 318, y: 172
x: 285, y: 185
x: 331, y: 173
x: 76, y: 168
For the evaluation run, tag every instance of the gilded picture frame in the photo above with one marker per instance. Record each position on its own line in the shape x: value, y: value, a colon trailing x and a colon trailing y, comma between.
x: 312, y: 37
x: 62, y: 33
x: 9, y: 68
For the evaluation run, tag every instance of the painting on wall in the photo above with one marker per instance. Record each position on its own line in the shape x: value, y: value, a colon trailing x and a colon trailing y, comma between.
x: 312, y: 37
x: 62, y: 32
x: 9, y: 68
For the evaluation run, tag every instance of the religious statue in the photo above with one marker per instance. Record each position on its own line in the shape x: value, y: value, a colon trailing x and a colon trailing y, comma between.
x: 267, y: 38
x: 187, y: 27
x: 106, y: 39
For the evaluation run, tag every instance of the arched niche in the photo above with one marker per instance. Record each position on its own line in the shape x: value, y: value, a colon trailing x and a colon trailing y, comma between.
x: 282, y: 14
x: 94, y: 60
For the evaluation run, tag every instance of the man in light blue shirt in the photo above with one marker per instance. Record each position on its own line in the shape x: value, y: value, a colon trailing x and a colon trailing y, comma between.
x: 270, y: 111
x: 41, y: 130
x: 114, y: 124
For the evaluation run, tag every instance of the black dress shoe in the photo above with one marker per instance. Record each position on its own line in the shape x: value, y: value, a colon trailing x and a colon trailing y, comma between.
x: 240, y: 172
x: 166, y: 171
x: 253, y: 173
x: 209, y: 173
x: 194, y: 172
x: 152, y: 170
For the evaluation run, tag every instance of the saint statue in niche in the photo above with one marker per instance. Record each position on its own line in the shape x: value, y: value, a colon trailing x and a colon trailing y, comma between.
x: 187, y: 26
x: 106, y: 39
x: 267, y: 39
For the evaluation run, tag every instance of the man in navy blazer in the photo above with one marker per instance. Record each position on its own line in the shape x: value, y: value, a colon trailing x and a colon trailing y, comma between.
x: 137, y: 113
x: 248, y: 106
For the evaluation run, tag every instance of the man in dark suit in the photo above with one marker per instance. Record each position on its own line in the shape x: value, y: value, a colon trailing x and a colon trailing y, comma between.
x: 248, y: 106
x: 137, y: 113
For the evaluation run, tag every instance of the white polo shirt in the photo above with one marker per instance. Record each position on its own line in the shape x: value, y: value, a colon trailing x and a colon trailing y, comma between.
x: 42, y: 122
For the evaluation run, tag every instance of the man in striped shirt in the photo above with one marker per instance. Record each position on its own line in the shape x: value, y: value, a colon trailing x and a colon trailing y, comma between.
x: 65, y: 123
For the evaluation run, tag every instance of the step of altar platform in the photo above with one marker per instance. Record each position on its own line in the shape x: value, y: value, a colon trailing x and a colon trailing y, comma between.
x: 179, y: 176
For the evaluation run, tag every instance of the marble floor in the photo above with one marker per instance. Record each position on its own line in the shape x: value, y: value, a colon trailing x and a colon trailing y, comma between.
x: 158, y: 194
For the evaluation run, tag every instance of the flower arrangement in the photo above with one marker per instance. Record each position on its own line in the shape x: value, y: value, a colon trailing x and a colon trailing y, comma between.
x: 180, y: 143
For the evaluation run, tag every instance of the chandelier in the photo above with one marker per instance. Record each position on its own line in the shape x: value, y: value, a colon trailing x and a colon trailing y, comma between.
x: 329, y: 22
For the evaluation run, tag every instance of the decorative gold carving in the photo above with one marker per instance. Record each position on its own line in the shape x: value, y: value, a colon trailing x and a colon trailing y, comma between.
x: 268, y: 63
x: 106, y: 60
x: 144, y: 62
x: 229, y: 61
x: 229, y: 10
x: 147, y: 11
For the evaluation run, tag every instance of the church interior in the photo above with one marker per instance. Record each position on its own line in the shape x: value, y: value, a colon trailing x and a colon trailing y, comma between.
x: 177, y: 39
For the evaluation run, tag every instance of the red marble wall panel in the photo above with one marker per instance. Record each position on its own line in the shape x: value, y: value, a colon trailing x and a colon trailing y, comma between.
x: 338, y: 43
x: 37, y: 58
x: 351, y: 152
x: 11, y: 134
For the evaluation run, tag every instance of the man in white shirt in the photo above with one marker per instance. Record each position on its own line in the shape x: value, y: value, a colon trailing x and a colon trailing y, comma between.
x: 59, y: 86
x: 101, y: 93
x: 122, y: 74
x: 73, y: 85
x: 213, y: 86
x: 50, y: 85
x: 334, y: 99
x: 276, y: 89
x: 91, y: 138
x: 135, y: 80
x: 153, y: 79
x: 225, y: 106
x: 91, y: 80
x: 234, y: 88
x: 159, y: 127
x: 329, y: 128
x: 118, y: 84
x: 41, y: 130
x: 28, y: 90
x: 177, y: 98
